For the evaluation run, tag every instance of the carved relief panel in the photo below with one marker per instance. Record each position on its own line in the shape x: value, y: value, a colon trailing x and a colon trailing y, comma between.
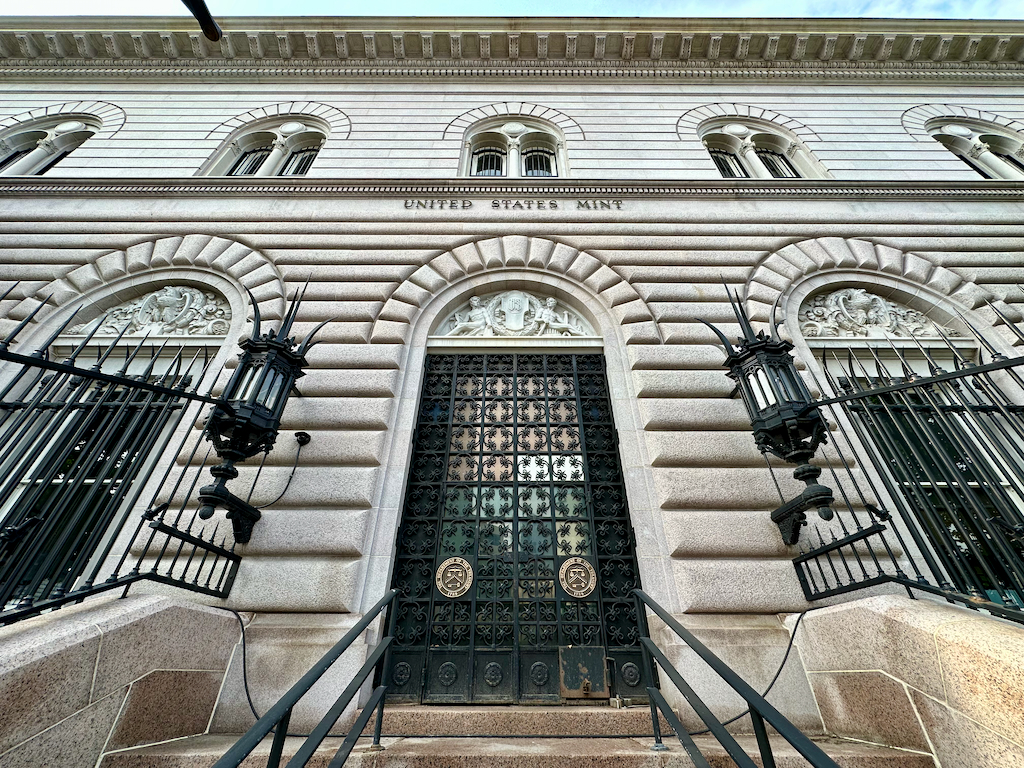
x: 514, y: 314
x: 858, y: 313
x: 174, y: 310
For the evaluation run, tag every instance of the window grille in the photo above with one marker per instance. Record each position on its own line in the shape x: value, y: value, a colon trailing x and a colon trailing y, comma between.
x: 250, y: 161
x: 778, y: 164
x: 14, y: 157
x: 538, y: 162
x: 489, y: 162
x: 299, y: 162
x: 728, y: 164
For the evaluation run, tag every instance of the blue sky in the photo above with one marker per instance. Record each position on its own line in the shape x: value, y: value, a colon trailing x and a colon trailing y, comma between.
x: 944, y: 9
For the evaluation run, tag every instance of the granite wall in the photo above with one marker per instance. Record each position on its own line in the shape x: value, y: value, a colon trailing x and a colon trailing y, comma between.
x: 108, y: 675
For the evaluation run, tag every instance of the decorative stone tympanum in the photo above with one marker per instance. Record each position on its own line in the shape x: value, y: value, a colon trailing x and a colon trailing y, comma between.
x: 855, y: 312
x: 514, y: 313
x: 174, y: 310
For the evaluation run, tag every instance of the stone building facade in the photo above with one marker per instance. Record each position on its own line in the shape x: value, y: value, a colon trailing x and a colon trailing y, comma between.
x: 518, y: 187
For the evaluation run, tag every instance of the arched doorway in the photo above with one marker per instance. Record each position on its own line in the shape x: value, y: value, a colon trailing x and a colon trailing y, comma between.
x: 515, y: 554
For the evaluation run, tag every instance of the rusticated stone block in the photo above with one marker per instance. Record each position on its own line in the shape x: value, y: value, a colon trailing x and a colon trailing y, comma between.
x: 166, y: 705
x: 960, y: 741
x: 850, y: 706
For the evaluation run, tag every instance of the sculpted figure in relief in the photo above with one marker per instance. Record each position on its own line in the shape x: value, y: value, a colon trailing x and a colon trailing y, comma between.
x: 476, y: 322
x: 173, y: 310
x: 514, y: 313
x: 856, y: 312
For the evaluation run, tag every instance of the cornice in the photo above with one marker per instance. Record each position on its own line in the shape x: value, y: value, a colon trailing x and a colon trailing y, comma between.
x: 427, y: 47
x: 446, y: 190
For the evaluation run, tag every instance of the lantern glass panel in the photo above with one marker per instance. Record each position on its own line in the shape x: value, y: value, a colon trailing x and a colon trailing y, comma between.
x: 248, y: 383
x: 769, y: 392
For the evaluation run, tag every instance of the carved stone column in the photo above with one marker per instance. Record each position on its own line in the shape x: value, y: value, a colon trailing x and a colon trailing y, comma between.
x: 995, y: 165
x: 514, y: 171
x: 44, y: 150
x: 757, y: 169
x: 272, y: 164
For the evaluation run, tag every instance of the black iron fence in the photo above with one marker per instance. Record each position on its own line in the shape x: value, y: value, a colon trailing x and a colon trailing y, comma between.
x: 927, y: 463
x: 80, y: 438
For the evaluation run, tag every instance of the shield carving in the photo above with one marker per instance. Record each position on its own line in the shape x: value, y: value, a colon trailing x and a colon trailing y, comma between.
x: 515, y: 305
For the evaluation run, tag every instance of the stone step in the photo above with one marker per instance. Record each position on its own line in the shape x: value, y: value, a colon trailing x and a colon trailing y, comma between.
x: 418, y: 720
x: 530, y: 752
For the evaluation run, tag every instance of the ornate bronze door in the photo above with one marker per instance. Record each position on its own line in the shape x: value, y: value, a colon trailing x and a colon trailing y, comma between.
x: 515, y: 550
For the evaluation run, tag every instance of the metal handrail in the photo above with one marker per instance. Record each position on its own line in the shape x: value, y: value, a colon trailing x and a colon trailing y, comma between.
x: 759, y: 709
x: 280, y: 714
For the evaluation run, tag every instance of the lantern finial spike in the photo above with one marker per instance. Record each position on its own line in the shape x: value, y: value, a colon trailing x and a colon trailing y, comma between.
x: 722, y: 337
x: 293, y: 310
x: 772, y: 324
x: 256, y: 319
x: 741, y: 315
x: 309, y: 341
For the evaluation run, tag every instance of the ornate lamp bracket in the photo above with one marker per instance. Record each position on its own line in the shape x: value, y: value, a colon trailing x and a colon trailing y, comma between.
x: 783, y: 416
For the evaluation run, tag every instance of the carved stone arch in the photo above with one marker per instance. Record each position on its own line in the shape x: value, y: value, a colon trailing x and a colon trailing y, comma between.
x: 916, y: 118
x: 393, y: 324
x: 569, y: 127
x: 777, y: 273
x: 239, y: 262
x: 686, y: 126
x: 111, y: 116
x: 338, y: 121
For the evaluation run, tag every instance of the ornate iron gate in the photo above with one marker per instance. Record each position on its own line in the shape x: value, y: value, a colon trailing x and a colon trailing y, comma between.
x: 515, y: 555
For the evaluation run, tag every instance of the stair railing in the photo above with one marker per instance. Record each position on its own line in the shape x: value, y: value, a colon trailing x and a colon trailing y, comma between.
x: 760, y: 710
x: 279, y: 715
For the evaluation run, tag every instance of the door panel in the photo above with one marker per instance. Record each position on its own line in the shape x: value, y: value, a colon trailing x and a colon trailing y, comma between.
x: 515, y: 537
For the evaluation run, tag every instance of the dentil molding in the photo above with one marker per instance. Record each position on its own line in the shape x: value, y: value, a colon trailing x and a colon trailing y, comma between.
x: 368, y: 47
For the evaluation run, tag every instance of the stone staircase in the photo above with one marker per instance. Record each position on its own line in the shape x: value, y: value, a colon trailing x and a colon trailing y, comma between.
x: 512, y: 737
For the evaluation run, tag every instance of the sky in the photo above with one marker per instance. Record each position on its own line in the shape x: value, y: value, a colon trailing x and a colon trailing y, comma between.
x: 934, y: 9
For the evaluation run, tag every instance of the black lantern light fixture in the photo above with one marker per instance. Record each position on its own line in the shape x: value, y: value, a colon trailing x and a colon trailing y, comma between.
x: 246, y: 420
x: 783, y: 415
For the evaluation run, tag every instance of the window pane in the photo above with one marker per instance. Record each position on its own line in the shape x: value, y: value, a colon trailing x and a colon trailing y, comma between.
x: 975, y: 167
x: 1013, y: 160
x: 778, y: 164
x: 56, y: 159
x: 14, y: 157
x: 298, y: 163
x: 538, y: 162
x: 489, y: 162
x: 250, y: 162
x: 728, y: 164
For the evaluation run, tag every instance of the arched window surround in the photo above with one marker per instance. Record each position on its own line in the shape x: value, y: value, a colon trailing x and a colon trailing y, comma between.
x: 993, y: 151
x: 33, y: 147
x: 748, y: 147
x: 285, y: 145
x: 514, y: 146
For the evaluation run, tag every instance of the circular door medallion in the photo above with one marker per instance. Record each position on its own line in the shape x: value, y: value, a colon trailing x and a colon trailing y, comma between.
x: 630, y: 674
x: 401, y: 673
x: 578, y: 577
x: 447, y: 673
x: 493, y: 674
x: 539, y: 673
x: 454, y: 577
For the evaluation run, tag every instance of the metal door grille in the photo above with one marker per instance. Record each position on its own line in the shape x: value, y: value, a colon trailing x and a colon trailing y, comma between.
x: 515, y: 469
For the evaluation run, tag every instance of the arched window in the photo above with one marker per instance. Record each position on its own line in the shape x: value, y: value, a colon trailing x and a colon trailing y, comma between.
x: 33, y: 148
x: 992, y: 151
x: 283, y: 147
x: 749, y: 148
x: 514, y: 149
